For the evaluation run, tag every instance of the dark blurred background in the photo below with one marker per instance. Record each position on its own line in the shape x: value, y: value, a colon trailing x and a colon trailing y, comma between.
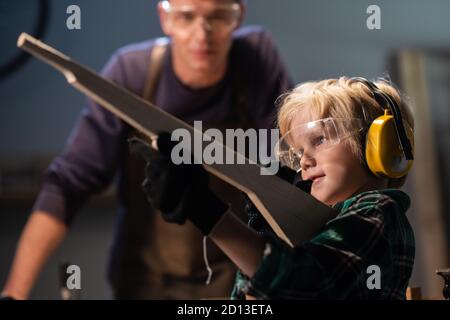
x: 317, y: 38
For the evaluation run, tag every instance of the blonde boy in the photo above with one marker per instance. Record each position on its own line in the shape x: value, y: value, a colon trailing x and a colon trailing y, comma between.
x: 365, y: 252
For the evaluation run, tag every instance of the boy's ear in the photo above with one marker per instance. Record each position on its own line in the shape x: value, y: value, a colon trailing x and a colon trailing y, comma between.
x: 164, y: 20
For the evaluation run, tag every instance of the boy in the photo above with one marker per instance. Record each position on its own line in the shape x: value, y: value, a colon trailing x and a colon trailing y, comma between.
x: 324, y: 127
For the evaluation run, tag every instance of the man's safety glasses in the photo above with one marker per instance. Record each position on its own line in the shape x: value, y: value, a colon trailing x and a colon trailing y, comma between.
x: 222, y: 18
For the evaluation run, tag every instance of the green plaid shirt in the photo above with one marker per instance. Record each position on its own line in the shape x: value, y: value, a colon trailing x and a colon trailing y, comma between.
x: 370, y: 229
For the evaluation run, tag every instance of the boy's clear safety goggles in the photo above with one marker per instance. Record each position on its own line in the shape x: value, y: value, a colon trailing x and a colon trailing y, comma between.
x: 223, y: 18
x: 310, y: 138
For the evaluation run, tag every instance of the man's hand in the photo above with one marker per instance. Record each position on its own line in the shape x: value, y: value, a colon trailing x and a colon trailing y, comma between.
x: 180, y: 192
x: 41, y: 236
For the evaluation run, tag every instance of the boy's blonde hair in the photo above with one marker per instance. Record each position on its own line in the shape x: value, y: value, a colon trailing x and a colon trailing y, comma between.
x: 341, y: 98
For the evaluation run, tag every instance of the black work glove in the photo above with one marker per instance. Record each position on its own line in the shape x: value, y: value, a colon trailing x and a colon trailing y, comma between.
x: 255, y: 219
x: 180, y: 192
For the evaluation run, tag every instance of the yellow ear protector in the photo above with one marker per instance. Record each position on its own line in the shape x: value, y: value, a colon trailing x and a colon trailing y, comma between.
x: 388, y: 144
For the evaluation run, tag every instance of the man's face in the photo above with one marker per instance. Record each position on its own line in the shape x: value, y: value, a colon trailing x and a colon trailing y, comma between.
x: 201, y: 31
x: 336, y: 172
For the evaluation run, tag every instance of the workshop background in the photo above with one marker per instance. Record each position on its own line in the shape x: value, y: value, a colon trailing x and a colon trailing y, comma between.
x: 317, y: 38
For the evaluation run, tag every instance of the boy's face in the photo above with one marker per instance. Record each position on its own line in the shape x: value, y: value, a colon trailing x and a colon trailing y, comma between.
x: 336, y: 172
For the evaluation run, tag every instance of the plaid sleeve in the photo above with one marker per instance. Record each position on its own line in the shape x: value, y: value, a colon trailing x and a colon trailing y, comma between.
x: 332, y: 265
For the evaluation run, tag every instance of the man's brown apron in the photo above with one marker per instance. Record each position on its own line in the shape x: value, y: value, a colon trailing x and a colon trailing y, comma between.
x: 168, y: 257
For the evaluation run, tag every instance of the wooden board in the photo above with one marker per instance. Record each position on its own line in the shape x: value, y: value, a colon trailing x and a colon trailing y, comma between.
x: 425, y: 178
x: 294, y: 215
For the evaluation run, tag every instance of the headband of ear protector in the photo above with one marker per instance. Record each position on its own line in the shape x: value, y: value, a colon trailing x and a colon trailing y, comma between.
x: 389, y: 145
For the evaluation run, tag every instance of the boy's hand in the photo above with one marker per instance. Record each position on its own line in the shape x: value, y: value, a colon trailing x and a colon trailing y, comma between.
x: 180, y: 192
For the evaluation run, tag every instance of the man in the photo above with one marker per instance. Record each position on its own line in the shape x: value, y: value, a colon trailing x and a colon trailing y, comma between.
x: 208, y: 71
